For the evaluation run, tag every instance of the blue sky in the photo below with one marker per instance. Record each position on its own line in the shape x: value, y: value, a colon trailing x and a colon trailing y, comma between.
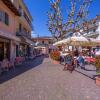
x: 38, y: 9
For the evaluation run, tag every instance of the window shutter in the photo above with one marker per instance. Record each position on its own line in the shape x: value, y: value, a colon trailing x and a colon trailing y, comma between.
x: 20, y: 27
x: 1, y: 15
x: 6, y: 19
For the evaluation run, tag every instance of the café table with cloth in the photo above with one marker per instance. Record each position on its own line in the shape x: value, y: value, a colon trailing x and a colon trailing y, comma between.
x: 89, y: 59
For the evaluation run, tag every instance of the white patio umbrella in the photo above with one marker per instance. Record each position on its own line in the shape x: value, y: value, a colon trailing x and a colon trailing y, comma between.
x: 58, y: 43
x: 76, y: 41
x: 94, y: 42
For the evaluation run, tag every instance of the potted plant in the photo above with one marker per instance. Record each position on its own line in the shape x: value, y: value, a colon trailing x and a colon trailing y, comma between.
x: 97, y: 65
x: 55, y: 56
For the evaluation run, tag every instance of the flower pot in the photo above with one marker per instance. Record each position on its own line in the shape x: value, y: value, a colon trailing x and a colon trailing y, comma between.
x: 55, y: 62
x: 55, y: 55
x: 98, y: 81
x: 98, y: 71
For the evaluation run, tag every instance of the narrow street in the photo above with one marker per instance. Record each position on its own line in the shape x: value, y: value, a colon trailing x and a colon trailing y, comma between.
x: 47, y: 81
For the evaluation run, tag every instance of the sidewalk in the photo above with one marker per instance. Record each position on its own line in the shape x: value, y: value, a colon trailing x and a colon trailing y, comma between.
x: 21, y: 68
x: 48, y: 81
x: 89, y: 71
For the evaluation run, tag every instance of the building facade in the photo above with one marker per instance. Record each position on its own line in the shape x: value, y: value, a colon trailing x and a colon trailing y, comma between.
x: 44, y: 41
x: 92, y: 28
x: 43, y: 44
x: 15, y: 30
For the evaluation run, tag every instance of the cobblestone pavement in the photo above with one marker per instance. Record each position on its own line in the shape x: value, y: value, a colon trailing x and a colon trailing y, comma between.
x: 48, y: 81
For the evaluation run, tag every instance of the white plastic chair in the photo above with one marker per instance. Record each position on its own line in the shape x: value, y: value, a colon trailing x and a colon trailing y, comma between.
x: 5, y: 64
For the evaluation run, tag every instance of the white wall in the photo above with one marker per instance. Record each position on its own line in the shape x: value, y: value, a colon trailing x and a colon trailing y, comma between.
x: 98, y: 30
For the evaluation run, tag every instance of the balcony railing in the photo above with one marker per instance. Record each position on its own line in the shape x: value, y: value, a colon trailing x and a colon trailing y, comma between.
x: 92, y: 34
x: 23, y: 15
x: 28, y: 21
x: 93, y: 25
x: 18, y: 33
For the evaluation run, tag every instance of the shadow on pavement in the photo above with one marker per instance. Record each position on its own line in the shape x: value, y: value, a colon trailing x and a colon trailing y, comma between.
x: 89, y: 70
x: 19, y: 69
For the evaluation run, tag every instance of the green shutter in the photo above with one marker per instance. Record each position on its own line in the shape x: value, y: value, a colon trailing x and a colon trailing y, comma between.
x: 6, y: 19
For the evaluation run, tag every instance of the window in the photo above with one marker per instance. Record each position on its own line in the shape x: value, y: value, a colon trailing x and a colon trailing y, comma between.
x: 49, y: 42
x: 21, y: 10
x: 42, y: 42
x: 27, y: 19
x: 1, y: 16
x: 94, y: 30
x: 20, y: 27
x: 6, y: 19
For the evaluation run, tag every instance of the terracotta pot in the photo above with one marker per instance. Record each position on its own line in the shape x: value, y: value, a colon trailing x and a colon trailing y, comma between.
x: 98, y: 81
x: 55, y: 62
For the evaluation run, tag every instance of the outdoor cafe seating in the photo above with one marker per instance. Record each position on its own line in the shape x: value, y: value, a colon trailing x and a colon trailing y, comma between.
x: 87, y: 59
x: 19, y: 60
x: 5, y: 65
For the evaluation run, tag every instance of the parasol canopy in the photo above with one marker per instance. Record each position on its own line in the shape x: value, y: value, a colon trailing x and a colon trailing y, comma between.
x: 79, y: 40
x: 74, y: 41
x: 94, y: 42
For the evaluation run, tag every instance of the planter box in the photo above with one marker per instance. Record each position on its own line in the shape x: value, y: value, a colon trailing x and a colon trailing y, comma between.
x: 98, y: 81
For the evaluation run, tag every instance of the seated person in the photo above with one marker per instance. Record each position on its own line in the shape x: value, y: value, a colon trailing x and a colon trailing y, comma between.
x: 80, y: 61
x: 69, y: 63
x: 61, y: 57
x: 69, y: 59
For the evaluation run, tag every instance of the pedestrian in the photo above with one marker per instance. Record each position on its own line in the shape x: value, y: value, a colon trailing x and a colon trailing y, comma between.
x: 80, y: 61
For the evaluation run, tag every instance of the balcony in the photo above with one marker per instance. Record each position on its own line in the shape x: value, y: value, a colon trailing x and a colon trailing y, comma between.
x: 91, y: 26
x: 18, y: 33
x: 92, y: 34
x: 27, y: 19
x: 27, y: 35
x: 12, y: 7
